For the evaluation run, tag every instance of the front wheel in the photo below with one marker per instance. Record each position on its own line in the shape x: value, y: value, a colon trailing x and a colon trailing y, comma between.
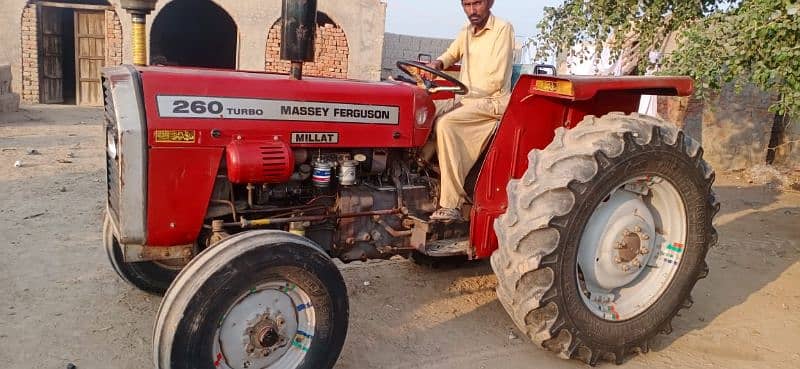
x: 149, y: 276
x: 605, y: 236
x: 260, y: 299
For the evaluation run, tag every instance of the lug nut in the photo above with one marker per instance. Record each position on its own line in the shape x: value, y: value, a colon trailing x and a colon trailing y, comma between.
x: 645, y: 236
x: 618, y: 260
x: 619, y: 246
x: 644, y: 251
x: 637, y: 229
x: 626, y: 268
x: 636, y: 263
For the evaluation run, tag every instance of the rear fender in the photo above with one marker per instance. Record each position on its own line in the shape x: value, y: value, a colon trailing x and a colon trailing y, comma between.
x: 539, y: 104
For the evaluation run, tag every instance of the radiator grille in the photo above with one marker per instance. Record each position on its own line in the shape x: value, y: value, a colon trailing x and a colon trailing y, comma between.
x: 112, y: 164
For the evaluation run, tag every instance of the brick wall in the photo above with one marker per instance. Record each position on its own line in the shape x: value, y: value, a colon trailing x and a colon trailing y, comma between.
x: 30, y: 57
x: 404, y: 47
x: 113, y: 39
x: 332, y: 52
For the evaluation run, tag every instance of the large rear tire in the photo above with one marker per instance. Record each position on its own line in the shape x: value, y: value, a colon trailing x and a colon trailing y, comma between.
x: 605, y: 236
x: 148, y: 276
x: 259, y: 299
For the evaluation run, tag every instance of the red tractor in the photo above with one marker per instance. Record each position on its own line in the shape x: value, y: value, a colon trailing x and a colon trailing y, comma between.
x: 234, y: 191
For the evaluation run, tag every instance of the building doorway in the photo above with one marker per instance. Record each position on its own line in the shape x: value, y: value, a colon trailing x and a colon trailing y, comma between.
x: 72, y: 51
x: 194, y: 33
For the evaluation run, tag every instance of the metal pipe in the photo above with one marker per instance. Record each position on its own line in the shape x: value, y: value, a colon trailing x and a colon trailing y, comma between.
x: 399, y: 186
x: 393, y: 232
x: 298, y: 33
x: 289, y: 209
x: 250, y: 189
x: 229, y: 203
x: 296, y: 71
x: 245, y: 223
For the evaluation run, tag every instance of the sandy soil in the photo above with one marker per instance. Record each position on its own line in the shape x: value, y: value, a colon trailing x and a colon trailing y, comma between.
x: 62, y: 303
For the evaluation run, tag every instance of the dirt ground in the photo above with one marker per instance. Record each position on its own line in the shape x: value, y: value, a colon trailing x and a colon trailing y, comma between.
x: 62, y: 303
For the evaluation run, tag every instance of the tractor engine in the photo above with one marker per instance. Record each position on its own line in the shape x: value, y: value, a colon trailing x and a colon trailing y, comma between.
x: 358, y: 204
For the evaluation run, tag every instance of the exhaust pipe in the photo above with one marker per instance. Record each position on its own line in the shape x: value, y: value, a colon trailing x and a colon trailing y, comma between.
x: 298, y: 33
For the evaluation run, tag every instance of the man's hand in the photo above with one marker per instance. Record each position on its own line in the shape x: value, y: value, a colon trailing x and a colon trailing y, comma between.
x: 436, y: 64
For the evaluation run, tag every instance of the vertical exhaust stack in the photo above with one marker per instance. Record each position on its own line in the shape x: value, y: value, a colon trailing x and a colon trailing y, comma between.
x: 298, y: 33
x: 139, y: 9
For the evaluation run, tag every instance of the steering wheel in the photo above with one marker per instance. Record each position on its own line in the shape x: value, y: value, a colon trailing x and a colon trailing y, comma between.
x: 432, y: 88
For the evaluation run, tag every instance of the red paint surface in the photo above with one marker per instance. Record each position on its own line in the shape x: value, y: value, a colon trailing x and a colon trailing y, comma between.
x: 181, y: 175
x: 215, y: 83
x: 180, y: 180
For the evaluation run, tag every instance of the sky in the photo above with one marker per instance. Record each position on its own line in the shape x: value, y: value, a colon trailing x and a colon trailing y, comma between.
x: 444, y: 18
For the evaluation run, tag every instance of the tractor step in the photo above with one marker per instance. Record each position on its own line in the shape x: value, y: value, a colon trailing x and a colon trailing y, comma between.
x: 450, y: 247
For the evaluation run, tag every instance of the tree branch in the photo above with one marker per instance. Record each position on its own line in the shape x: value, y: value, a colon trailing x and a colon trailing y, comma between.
x: 784, y: 144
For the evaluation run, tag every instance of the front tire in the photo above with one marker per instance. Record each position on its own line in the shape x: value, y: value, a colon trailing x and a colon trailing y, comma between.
x: 148, y: 276
x: 259, y: 299
x: 605, y: 236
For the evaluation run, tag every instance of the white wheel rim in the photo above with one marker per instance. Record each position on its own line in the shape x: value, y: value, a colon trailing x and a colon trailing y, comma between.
x: 631, y: 248
x: 272, y: 327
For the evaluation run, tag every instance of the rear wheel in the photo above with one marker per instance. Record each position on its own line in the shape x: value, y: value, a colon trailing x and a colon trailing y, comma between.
x: 148, y: 276
x: 605, y: 236
x: 260, y: 299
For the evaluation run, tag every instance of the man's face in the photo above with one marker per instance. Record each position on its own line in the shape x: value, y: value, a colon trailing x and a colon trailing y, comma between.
x: 477, y: 11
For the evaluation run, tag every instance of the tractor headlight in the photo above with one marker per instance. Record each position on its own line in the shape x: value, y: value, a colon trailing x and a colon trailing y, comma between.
x: 422, y: 116
x: 111, y: 150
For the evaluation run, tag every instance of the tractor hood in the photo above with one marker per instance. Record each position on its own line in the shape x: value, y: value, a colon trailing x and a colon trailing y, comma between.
x: 206, y: 107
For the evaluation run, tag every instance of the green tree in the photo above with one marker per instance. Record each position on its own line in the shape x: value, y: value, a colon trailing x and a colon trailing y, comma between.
x: 631, y: 28
x: 718, y: 41
x: 757, y: 42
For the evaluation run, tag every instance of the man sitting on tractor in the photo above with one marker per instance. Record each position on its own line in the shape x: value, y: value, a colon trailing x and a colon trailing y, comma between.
x: 485, y: 49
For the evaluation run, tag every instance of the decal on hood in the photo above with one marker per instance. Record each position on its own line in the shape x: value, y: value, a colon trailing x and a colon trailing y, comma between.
x: 207, y: 107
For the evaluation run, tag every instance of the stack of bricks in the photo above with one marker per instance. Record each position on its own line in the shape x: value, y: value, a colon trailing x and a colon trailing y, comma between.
x: 331, y: 51
x: 30, y: 57
x: 113, y: 39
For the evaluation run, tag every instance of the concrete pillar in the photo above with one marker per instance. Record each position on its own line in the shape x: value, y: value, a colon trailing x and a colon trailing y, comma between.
x: 9, y: 101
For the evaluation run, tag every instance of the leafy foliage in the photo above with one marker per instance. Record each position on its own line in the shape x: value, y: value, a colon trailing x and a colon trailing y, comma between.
x: 635, y: 26
x: 718, y: 41
x: 757, y: 42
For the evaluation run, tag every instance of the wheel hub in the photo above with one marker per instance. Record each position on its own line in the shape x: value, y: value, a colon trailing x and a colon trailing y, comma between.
x: 630, y: 247
x: 265, y: 335
x: 617, y: 242
x: 271, y: 327
x: 268, y: 337
x: 633, y: 246
x: 624, y: 257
